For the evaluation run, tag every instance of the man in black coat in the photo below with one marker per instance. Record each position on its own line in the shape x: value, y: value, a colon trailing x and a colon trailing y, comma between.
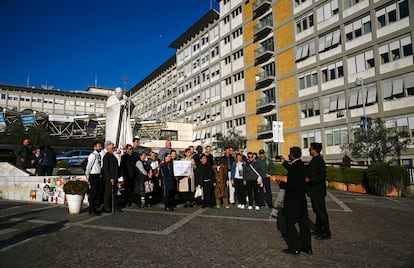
x: 110, y: 171
x: 295, y: 207
x: 204, y: 176
x: 317, y: 191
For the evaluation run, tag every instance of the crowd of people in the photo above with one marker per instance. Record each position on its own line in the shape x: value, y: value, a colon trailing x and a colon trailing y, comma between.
x: 231, y: 179
x: 42, y: 159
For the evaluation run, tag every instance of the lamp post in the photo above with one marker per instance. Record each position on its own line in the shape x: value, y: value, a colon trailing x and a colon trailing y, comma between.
x: 360, y: 82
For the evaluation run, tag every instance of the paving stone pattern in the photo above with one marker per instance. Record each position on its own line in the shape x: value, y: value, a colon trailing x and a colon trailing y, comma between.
x: 367, y: 231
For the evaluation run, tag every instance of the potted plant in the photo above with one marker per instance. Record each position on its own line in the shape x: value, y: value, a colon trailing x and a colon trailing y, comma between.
x: 383, y: 179
x: 75, y: 191
x: 63, y: 168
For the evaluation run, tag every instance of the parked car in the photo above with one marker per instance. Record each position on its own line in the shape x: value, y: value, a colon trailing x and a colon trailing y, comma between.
x: 75, y: 158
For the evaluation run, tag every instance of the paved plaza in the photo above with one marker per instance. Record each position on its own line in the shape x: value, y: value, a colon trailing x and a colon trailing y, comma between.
x: 367, y: 231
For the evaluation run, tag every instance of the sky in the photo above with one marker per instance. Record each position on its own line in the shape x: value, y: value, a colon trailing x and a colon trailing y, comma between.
x: 74, y: 44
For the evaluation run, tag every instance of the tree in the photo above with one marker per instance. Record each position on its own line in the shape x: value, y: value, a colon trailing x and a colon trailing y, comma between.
x: 379, y: 143
x: 232, y: 139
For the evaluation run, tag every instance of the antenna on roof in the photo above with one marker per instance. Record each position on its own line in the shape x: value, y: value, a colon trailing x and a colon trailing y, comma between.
x: 125, y: 78
x: 96, y: 80
x: 27, y: 80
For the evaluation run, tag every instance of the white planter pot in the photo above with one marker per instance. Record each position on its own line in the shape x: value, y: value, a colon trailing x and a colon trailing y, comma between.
x: 74, y: 203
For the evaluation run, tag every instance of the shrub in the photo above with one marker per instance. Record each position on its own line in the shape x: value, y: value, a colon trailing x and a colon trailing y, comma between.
x: 62, y: 164
x: 76, y: 187
x: 382, y: 178
x: 280, y: 170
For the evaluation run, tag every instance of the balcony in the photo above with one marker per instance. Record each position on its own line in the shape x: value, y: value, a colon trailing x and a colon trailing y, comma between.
x: 262, y: 29
x: 260, y: 7
x: 264, y: 79
x: 265, y: 105
x: 262, y: 54
x: 264, y: 132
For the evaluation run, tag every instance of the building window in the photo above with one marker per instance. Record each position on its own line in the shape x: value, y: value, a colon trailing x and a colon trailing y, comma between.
x: 392, y: 13
x: 305, y: 51
x: 358, y: 28
x: 226, y: 39
x: 361, y: 62
x: 226, y: 19
x: 299, y: 2
x: 308, y: 80
x: 332, y: 71
x: 239, y: 98
x: 310, y: 136
x: 336, y: 136
x: 237, y: 33
x: 396, y: 50
x: 329, y: 41
x: 310, y: 108
x: 229, y: 102
x: 357, y: 98
x: 227, y: 81
x: 229, y: 124
x: 238, y: 54
x: 334, y: 103
x: 240, y: 121
x: 398, y: 87
x: 328, y: 10
x: 215, y: 52
x: 236, y: 12
x: 304, y: 23
x: 238, y: 76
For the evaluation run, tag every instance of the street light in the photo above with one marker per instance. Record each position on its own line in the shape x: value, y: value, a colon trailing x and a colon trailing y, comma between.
x: 360, y: 82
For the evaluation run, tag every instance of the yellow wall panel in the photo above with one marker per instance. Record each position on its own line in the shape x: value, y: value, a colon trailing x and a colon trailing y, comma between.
x: 285, y: 62
x: 252, y: 122
x: 248, y: 32
x: 248, y: 10
x: 284, y: 36
x: 289, y: 116
x: 250, y: 77
x: 249, y: 53
x: 291, y: 139
x: 254, y: 145
x: 286, y: 89
x: 282, y: 10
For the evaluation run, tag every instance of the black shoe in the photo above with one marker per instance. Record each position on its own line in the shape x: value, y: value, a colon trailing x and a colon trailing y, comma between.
x: 106, y: 211
x: 307, y: 251
x: 323, y: 236
x: 291, y: 251
x: 316, y: 233
x: 94, y: 213
x: 169, y: 209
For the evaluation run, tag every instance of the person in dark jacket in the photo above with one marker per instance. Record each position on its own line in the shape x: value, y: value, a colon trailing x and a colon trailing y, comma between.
x: 167, y: 174
x: 144, y: 174
x: 47, y: 161
x: 128, y: 171
x: 317, y: 191
x: 252, y: 177
x: 24, y: 155
x: 295, y: 209
x: 205, y: 177
x: 110, y: 171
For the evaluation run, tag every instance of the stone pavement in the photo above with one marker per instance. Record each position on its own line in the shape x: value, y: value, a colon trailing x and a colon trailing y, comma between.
x: 367, y: 231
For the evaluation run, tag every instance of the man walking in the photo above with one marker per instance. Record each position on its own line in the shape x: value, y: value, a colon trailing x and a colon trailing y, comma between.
x: 317, y: 191
x: 295, y: 207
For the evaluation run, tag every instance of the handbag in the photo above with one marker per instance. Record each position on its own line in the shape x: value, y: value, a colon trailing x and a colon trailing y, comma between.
x: 198, y: 192
x: 259, y: 178
x: 149, y: 186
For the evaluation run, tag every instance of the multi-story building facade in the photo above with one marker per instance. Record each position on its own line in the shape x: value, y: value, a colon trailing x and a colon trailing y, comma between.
x: 316, y: 65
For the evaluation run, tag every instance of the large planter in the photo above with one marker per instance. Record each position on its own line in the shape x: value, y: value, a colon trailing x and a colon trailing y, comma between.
x: 356, y: 188
x: 394, y: 192
x: 74, y: 203
x: 340, y: 186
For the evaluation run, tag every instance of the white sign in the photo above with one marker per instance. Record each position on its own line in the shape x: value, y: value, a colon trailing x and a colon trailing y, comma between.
x: 278, y: 131
x: 61, y: 118
x: 182, y: 168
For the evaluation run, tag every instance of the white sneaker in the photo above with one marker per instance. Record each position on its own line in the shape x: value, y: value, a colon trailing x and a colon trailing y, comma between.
x: 250, y: 207
x: 257, y: 208
x: 239, y: 206
x: 242, y: 206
